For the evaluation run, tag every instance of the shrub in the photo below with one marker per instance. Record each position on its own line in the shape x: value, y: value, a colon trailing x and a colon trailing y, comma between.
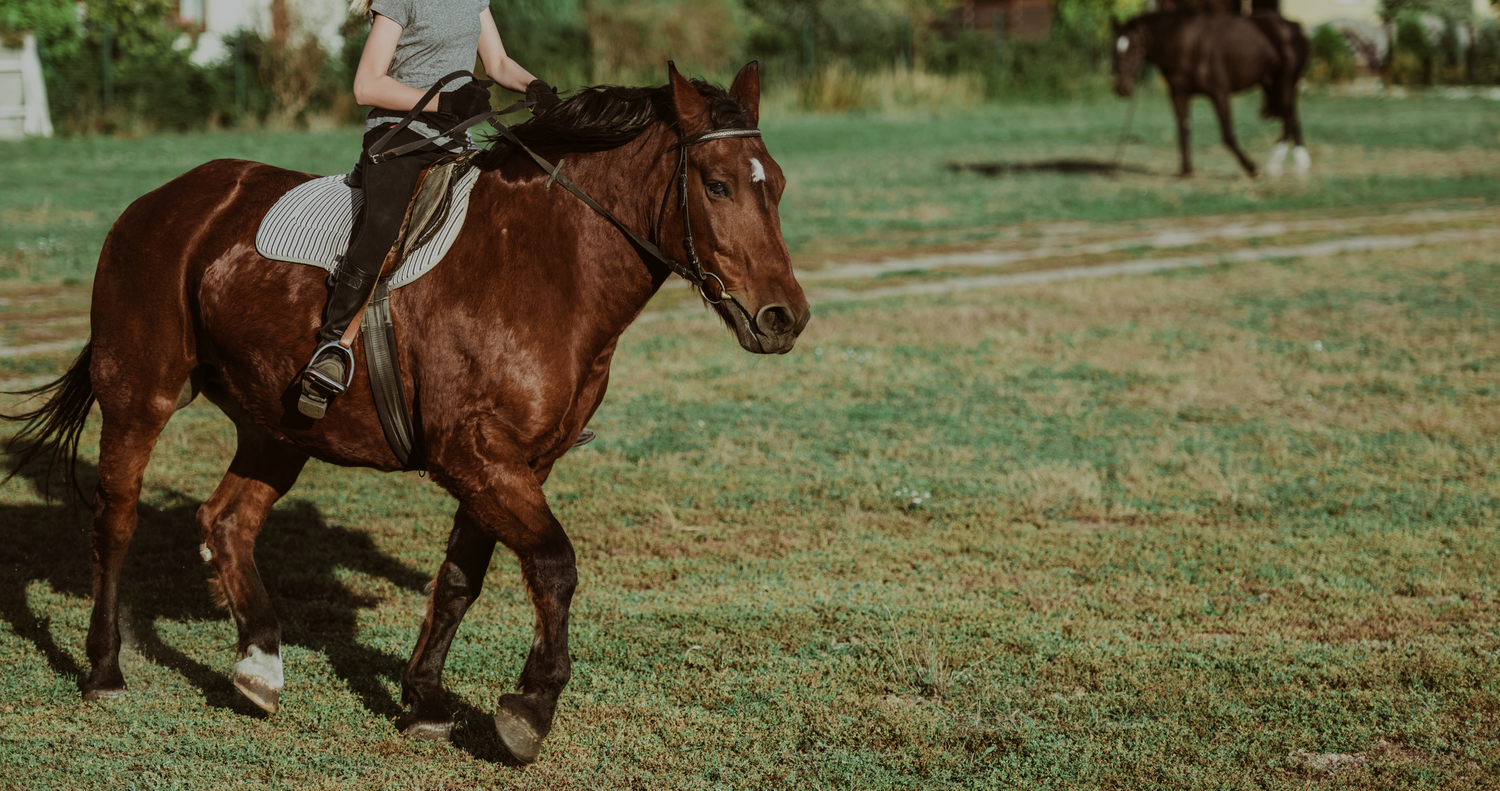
x: 146, y: 80
x: 1411, y: 53
x: 1332, y: 60
x: 1484, y: 58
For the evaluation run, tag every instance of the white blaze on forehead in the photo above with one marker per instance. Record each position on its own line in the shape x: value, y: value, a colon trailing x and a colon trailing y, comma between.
x: 1122, y: 44
x: 757, y: 170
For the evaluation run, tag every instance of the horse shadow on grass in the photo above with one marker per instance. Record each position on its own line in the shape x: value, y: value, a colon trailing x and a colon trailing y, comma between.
x: 299, y: 555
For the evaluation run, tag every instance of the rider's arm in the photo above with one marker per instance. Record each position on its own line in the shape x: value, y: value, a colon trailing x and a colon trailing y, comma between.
x: 497, y: 64
x: 372, y: 86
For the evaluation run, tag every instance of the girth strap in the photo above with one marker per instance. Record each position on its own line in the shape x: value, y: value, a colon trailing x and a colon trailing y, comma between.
x: 384, y: 367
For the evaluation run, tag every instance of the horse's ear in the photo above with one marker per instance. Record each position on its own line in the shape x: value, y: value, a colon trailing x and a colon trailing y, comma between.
x: 691, y: 107
x: 747, y: 87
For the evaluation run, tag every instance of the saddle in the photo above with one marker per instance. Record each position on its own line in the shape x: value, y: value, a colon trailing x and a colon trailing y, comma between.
x: 313, y: 224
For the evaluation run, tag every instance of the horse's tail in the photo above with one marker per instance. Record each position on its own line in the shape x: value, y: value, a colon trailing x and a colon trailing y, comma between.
x: 54, y: 428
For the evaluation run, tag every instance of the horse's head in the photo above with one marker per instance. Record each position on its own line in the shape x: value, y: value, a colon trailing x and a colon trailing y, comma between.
x: 733, y: 190
x: 1130, y: 55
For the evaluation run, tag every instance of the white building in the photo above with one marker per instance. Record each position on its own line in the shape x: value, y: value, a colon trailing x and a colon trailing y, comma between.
x: 23, y: 93
x: 220, y: 19
x: 1312, y: 13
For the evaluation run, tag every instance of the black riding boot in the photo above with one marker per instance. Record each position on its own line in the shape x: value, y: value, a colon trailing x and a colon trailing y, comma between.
x: 332, y: 365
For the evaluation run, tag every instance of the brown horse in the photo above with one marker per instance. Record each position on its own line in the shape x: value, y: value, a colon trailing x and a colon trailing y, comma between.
x: 1218, y: 55
x: 505, y: 350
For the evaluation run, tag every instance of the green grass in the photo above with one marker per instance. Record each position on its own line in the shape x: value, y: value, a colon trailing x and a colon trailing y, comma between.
x: 860, y: 182
x: 1183, y: 532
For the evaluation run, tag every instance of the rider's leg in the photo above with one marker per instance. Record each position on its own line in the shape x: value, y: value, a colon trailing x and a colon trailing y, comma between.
x: 388, y: 189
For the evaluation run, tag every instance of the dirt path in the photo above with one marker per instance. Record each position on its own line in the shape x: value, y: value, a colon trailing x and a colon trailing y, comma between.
x: 1068, y: 251
x: 42, y: 319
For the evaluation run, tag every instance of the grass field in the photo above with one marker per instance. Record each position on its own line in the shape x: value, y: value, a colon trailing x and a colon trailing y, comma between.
x: 1225, y: 527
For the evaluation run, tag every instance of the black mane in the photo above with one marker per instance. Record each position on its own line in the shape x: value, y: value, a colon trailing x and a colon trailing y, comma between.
x: 609, y: 116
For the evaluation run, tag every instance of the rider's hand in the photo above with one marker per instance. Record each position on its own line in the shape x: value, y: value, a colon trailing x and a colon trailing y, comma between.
x: 542, y: 96
x: 465, y: 101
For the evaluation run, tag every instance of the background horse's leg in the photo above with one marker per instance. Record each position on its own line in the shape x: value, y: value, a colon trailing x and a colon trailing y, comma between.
x: 457, y: 585
x: 263, y: 470
x: 1279, y: 151
x: 1180, y: 100
x: 1293, y: 131
x: 506, y: 500
x: 1226, y: 129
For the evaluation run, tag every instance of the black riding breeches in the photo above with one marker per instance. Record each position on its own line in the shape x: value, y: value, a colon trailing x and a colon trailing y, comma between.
x: 388, y: 190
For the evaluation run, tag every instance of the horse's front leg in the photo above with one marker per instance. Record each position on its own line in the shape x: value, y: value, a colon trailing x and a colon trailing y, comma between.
x: 505, y: 499
x: 1180, y: 106
x: 457, y: 585
x: 1226, y: 129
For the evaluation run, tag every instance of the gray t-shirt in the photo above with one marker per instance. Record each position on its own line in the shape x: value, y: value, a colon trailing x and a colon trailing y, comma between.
x: 438, y: 37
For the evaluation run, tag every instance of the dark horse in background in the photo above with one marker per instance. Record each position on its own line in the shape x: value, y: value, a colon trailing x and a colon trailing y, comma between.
x: 505, y: 348
x: 1218, y: 55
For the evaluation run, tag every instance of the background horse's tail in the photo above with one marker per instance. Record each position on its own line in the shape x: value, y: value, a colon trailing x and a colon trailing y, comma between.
x: 54, y: 428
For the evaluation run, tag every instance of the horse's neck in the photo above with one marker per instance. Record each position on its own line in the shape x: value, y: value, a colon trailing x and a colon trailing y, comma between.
x: 611, y: 282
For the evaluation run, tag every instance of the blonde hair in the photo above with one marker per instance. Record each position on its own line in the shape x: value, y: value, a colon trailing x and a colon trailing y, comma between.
x: 361, y: 7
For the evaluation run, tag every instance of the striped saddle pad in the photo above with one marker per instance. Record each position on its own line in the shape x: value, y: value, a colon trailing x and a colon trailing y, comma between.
x: 311, y: 224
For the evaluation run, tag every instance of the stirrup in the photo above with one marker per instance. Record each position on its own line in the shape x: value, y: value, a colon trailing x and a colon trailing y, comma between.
x: 584, y: 437
x: 317, y: 389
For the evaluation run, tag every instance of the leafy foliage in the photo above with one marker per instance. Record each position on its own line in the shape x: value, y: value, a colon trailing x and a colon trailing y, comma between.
x: 44, y: 17
x: 1332, y: 59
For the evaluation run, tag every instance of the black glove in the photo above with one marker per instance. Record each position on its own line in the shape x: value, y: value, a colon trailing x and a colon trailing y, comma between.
x: 465, y: 101
x: 542, y: 96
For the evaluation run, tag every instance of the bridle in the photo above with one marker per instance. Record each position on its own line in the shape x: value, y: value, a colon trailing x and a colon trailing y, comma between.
x: 692, y: 271
x: 680, y: 178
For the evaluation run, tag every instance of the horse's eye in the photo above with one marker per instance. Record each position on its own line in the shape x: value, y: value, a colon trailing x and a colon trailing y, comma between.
x: 718, y: 189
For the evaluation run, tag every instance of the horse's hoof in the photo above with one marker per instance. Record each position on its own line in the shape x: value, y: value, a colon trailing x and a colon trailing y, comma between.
x: 104, y: 694
x: 258, y: 677
x: 515, y: 731
x: 429, y: 731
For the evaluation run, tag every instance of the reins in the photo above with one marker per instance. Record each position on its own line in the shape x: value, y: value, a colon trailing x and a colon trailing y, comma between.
x: 692, y: 271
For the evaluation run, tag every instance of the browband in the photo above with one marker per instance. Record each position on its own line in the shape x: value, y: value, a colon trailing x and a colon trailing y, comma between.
x: 717, y: 134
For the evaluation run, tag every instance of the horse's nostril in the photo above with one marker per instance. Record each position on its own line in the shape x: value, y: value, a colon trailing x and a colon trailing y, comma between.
x: 775, y: 320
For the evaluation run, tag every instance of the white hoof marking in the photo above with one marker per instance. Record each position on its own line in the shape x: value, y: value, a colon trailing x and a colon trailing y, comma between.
x: 1278, y: 156
x: 1303, y: 160
x: 262, y: 667
x: 206, y: 553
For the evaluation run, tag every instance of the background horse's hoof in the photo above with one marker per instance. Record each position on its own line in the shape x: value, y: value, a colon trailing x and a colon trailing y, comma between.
x: 429, y: 731
x: 258, y: 677
x: 104, y: 694
x: 512, y: 723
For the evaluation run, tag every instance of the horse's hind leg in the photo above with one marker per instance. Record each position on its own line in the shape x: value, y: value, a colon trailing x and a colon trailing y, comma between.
x: 125, y: 444
x: 1300, y: 158
x: 262, y: 472
x: 1277, y: 159
x: 457, y: 585
x: 134, y: 410
x: 1226, y: 129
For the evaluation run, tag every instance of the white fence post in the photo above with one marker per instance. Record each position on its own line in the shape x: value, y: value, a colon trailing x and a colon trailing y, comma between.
x: 23, y: 92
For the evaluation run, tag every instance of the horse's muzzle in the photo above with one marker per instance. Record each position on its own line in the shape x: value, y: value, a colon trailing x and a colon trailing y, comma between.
x: 774, y: 330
